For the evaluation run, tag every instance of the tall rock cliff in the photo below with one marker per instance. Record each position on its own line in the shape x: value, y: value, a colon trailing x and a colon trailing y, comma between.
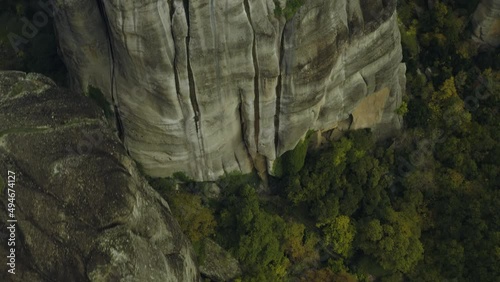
x: 208, y: 86
x: 486, y: 21
x: 83, y: 211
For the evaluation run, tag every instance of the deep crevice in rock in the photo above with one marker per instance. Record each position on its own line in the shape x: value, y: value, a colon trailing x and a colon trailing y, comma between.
x: 109, y: 226
x: 243, y: 126
x: 278, y: 92
x: 118, y: 120
x: 256, y: 80
x: 192, y: 90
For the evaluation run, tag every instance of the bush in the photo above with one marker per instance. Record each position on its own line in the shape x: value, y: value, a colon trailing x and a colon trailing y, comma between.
x: 236, y: 180
x: 182, y: 177
x: 292, y: 161
x: 403, y: 109
x: 409, y: 40
x: 163, y: 185
x: 292, y: 6
x: 253, y: 236
x: 196, y: 220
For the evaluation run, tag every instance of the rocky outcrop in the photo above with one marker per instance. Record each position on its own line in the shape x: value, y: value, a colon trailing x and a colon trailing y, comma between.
x: 486, y: 23
x: 218, y: 265
x: 208, y: 87
x: 83, y: 211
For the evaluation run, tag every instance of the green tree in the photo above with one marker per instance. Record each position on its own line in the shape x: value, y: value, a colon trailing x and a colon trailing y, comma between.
x: 339, y: 234
x: 253, y: 235
x: 299, y: 245
x: 196, y: 220
x: 395, y: 244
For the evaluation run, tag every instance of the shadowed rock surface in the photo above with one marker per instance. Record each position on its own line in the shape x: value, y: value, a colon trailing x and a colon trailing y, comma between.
x: 207, y: 87
x: 84, y: 212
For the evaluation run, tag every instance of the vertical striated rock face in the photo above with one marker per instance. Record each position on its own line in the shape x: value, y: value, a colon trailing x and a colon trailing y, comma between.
x: 209, y: 86
x: 486, y: 22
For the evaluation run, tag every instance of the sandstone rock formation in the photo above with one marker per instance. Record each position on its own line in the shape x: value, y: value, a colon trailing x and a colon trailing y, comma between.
x: 207, y: 87
x: 83, y: 211
x: 486, y: 22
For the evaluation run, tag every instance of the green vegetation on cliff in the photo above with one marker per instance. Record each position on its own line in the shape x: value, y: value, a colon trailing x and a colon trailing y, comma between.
x: 292, y: 161
x: 291, y: 8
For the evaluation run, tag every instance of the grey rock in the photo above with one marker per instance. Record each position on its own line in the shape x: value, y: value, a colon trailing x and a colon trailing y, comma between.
x: 208, y: 87
x: 211, y: 190
x: 84, y: 213
x: 486, y: 23
x: 218, y: 265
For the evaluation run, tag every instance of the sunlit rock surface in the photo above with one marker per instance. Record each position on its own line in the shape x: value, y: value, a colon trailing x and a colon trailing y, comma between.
x: 208, y: 87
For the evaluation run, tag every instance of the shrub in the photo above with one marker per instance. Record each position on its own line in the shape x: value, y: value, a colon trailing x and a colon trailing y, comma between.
x: 292, y: 161
x: 196, y: 220
x: 162, y: 185
x: 292, y: 6
x: 403, y: 109
x: 182, y: 177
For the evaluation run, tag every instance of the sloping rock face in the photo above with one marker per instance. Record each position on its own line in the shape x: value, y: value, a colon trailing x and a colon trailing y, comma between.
x: 83, y: 211
x: 486, y: 22
x: 218, y: 265
x: 208, y: 87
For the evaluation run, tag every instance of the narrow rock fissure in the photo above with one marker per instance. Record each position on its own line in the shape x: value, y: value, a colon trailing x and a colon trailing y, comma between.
x: 109, y: 226
x: 278, y: 92
x: 176, y: 73
x: 243, y: 124
x: 237, y: 161
x: 192, y: 90
x: 256, y: 80
x: 114, y: 98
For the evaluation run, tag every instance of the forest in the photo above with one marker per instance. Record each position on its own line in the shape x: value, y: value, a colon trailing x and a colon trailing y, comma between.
x: 423, y: 205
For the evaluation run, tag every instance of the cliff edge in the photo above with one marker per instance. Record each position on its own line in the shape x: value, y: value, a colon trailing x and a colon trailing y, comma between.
x: 83, y: 211
x: 208, y: 87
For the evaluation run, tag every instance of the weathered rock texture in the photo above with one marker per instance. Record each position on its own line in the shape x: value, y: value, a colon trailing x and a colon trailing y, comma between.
x: 486, y: 22
x: 218, y: 265
x: 83, y: 211
x: 209, y: 86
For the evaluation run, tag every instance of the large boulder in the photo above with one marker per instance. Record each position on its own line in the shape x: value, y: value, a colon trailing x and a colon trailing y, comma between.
x: 217, y: 264
x: 83, y: 210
